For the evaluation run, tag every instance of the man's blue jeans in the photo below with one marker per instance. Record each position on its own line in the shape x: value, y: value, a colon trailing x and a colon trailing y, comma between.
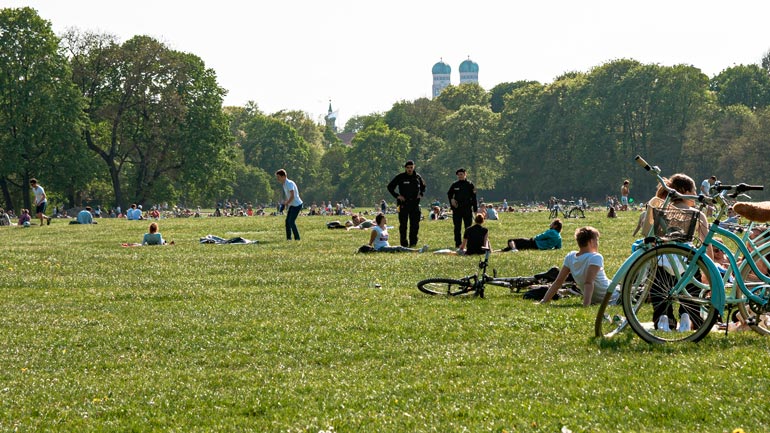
x: 291, y: 222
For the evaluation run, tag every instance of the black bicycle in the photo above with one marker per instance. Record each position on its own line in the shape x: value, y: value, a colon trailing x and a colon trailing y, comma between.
x: 474, y: 284
x: 573, y: 211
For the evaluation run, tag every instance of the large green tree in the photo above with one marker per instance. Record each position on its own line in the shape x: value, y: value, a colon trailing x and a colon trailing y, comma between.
x: 155, y: 118
x: 379, y: 152
x: 454, y: 97
x: 472, y: 142
x: 39, y: 107
x: 747, y: 85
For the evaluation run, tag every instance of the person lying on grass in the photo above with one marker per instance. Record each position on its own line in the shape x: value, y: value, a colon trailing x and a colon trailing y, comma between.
x: 379, y: 239
x: 548, y: 240
x: 586, y: 266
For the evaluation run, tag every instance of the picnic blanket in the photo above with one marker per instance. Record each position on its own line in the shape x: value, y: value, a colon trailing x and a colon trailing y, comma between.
x: 211, y: 239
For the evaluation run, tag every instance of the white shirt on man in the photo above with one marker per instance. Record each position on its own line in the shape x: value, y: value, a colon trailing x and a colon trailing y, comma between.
x: 289, y: 186
x: 578, y: 267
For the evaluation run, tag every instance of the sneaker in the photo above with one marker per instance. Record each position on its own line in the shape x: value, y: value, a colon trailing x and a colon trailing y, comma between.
x: 663, y: 324
x: 423, y: 249
x: 48, y: 221
x: 684, y: 323
x: 618, y: 321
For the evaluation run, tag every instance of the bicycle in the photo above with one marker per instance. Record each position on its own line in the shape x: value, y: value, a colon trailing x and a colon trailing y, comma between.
x: 574, y: 211
x: 669, y: 276
x: 474, y: 284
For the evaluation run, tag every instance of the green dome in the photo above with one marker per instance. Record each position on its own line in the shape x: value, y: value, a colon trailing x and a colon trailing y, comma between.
x: 441, y: 68
x: 469, y: 66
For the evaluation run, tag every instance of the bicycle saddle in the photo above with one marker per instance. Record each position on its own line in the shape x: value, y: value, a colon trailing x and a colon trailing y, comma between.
x: 758, y: 212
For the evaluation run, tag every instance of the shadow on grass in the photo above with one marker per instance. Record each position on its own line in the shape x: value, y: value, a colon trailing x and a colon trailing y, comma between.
x: 628, y: 341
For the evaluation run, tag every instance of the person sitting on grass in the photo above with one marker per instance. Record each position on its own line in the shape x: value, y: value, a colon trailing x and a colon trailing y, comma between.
x: 379, y: 239
x: 491, y: 212
x: 548, y: 240
x: 5, y: 219
x: 84, y: 217
x: 24, y: 218
x: 475, y: 238
x: 587, y: 268
x: 154, y: 237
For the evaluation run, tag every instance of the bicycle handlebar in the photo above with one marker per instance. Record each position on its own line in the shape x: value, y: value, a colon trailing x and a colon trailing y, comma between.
x: 738, y: 189
x: 701, y: 198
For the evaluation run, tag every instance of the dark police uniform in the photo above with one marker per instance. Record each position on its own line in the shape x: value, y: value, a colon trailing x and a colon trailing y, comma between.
x: 412, y: 187
x: 464, y: 192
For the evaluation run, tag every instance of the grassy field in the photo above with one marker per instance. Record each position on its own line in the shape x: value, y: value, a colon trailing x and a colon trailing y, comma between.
x: 295, y: 337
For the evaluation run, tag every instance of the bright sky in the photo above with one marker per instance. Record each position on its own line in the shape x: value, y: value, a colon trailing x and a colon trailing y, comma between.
x: 366, y: 55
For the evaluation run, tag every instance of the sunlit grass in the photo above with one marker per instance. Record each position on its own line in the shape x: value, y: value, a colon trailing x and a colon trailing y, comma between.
x: 294, y: 337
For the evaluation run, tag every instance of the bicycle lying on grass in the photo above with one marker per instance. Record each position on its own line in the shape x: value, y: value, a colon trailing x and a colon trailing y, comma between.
x: 574, y: 211
x: 668, y: 277
x: 474, y: 284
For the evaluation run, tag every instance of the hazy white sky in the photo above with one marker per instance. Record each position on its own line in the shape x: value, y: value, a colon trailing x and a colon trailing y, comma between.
x: 366, y: 55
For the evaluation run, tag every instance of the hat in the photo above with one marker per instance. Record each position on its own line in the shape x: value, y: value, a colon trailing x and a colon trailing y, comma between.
x: 410, y: 162
x: 460, y: 170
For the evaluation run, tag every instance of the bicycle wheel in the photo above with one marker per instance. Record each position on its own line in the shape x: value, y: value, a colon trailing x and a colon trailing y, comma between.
x: 654, y: 310
x: 445, y: 286
x: 576, y: 212
x: 756, y: 316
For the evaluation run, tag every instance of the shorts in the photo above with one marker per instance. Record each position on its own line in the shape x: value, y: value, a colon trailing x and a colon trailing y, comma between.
x: 624, y: 200
x: 41, y: 207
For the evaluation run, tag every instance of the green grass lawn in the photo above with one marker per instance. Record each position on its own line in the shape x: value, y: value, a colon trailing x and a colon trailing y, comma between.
x: 294, y: 337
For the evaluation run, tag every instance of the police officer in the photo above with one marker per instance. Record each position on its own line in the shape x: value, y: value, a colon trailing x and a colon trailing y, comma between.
x: 411, y: 188
x: 462, y: 198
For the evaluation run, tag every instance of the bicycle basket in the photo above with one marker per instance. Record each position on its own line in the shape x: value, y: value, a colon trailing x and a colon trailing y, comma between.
x: 674, y: 224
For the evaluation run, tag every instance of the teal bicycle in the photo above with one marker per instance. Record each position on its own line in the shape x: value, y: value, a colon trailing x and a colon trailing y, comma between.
x: 670, y: 290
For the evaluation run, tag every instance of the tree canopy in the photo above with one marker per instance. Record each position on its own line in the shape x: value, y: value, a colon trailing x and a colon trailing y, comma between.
x: 120, y: 122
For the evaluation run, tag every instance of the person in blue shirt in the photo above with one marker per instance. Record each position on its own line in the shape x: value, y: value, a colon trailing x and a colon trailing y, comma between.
x: 153, y: 237
x: 85, y: 216
x: 548, y: 240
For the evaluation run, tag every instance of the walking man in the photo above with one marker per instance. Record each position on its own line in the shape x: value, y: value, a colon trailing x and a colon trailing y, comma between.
x: 462, y: 198
x: 41, y: 201
x: 411, y: 188
x: 292, y: 204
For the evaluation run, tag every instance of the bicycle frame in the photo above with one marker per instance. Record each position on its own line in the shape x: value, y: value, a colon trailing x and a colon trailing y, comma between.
x: 717, y: 283
x: 718, y: 296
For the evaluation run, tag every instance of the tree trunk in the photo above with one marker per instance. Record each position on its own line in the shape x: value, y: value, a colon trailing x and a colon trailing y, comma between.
x: 6, y: 194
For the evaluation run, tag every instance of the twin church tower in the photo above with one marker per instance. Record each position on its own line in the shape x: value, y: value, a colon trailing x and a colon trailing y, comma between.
x: 469, y: 73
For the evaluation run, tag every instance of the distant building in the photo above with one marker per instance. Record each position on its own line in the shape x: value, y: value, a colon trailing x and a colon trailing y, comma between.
x: 346, y: 138
x: 469, y: 73
x: 331, y: 119
x: 441, y: 72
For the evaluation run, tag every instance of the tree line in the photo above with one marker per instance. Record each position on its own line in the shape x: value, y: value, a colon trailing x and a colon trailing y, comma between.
x: 102, y: 121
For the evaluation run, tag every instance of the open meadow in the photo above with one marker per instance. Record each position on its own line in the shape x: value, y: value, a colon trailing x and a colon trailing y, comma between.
x: 295, y: 337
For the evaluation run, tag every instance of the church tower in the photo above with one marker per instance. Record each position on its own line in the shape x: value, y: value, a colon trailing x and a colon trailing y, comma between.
x: 331, y: 119
x: 441, y: 72
x: 469, y: 71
